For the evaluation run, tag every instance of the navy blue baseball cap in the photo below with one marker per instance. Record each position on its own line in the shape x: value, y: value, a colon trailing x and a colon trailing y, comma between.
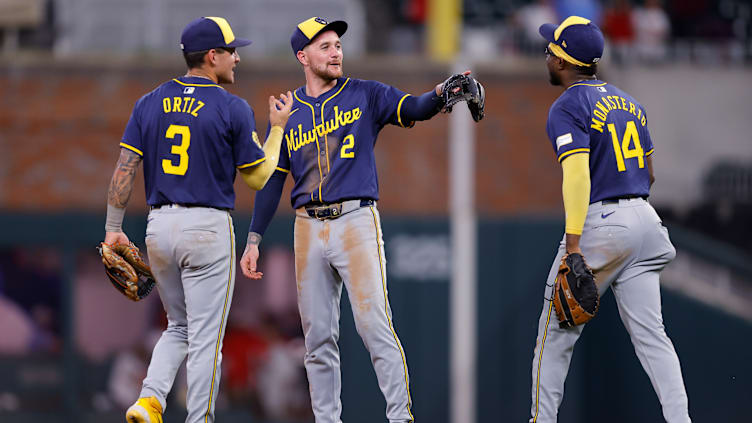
x: 307, y: 30
x: 207, y: 33
x: 576, y: 40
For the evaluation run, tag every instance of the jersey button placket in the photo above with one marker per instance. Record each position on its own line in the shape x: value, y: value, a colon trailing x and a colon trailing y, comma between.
x: 322, y: 152
x: 324, y: 171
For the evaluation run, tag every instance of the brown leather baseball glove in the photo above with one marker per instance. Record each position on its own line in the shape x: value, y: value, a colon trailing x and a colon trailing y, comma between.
x: 127, y: 271
x: 460, y: 87
x: 575, y: 294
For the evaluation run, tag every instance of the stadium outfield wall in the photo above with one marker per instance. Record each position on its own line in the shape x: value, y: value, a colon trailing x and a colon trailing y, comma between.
x: 61, y: 123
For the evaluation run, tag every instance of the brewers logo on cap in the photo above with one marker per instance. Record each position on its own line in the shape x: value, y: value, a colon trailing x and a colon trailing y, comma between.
x: 307, y: 30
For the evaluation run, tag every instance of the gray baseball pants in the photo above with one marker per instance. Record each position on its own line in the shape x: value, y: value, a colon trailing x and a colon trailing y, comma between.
x: 192, y: 254
x: 347, y: 250
x: 627, y: 247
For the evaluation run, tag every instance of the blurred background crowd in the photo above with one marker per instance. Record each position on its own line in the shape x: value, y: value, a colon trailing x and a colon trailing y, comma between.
x: 71, y: 70
x: 650, y: 31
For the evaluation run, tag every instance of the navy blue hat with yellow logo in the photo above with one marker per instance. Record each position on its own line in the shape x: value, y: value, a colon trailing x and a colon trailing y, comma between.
x: 307, y: 30
x: 576, y: 40
x: 208, y: 33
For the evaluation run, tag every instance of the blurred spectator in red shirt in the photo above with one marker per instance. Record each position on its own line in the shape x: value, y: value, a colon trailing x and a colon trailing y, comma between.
x: 617, y: 25
x: 244, y: 350
x: 416, y: 11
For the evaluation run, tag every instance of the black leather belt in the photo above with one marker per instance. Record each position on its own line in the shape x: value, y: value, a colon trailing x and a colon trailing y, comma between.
x: 335, y: 210
x: 615, y: 200
x: 173, y: 205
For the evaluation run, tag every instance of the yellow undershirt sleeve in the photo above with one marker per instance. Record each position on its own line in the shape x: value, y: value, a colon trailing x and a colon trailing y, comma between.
x: 257, y: 176
x: 575, y: 190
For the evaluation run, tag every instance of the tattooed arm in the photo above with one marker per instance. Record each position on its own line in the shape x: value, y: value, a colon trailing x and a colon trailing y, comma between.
x: 118, y: 195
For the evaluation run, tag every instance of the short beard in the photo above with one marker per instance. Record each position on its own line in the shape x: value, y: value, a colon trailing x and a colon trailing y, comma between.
x: 554, y: 79
x: 221, y: 79
x: 326, y: 74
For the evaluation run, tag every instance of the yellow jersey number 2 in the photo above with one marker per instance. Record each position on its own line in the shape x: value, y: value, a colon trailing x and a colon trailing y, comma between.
x: 623, y: 149
x: 181, y: 150
x: 346, y: 152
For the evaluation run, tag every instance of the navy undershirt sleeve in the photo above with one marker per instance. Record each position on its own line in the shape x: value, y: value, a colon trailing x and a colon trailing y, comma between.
x: 266, y: 203
x: 422, y: 107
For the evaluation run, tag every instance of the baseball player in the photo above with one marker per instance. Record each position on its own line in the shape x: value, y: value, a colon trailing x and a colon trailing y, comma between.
x: 601, y: 138
x: 328, y: 149
x: 192, y: 136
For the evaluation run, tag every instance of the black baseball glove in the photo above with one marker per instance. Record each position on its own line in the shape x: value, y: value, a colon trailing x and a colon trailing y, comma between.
x: 127, y: 271
x: 575, y: 292
x: 460, y: 87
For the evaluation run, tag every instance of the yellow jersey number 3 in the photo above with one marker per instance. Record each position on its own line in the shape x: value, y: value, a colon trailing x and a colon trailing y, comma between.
x: 623, y: 148
x: 181, y: 150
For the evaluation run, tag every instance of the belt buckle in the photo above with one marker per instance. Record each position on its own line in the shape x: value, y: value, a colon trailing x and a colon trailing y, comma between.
x: 331, y: 211
x: 321, y: 213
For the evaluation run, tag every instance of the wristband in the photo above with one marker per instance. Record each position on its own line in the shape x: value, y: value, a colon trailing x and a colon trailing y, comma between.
x: 254, y: 238
x: 114, y: 220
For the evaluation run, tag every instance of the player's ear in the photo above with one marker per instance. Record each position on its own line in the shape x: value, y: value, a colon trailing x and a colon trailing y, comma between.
x: 302, y: 58
x: 561, y: 64
x: 211, y: 57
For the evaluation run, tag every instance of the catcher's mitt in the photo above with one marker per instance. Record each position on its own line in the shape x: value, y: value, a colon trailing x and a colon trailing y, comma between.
x: 127, y: 271
x: 575, y: 293
x: 460, y: 87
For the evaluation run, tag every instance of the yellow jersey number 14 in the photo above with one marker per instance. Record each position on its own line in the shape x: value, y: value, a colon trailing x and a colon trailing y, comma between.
x: 628, y: 147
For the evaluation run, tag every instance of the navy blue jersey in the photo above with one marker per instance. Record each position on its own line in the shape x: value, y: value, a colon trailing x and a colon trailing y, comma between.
x: 328, y: 141
x: 192, y: 136
x: 598, y: 118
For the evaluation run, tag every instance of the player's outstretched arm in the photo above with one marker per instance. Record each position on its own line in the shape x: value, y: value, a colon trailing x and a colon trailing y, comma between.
x: 279, y: 110
x: 458, y: 87
x: 118, y: 195
x: 264, y: 206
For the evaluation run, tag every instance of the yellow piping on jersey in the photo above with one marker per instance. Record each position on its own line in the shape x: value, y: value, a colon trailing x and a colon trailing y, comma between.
x: 540, y: 359
x: 134, y: 149
x: 252, y: 163
x: 195, y: 85
x: 318, y: 156
x: 386, y: 312
x: 651, y: 151
x: 224, y: 313
x: 588, y: 85
x: 575, y: 151
x: 282, y: 170
x: 326, y: 137
x: 399, y: 116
